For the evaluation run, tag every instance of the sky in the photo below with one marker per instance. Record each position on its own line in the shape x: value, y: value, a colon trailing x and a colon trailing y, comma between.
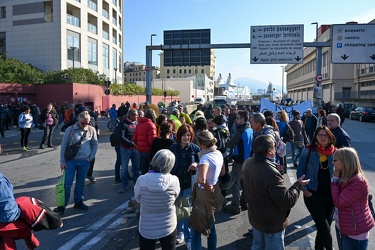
x: 230, y: 22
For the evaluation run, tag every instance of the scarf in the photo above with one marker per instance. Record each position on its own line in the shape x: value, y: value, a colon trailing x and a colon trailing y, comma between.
x: 325, y: 151
x: 206, y: 151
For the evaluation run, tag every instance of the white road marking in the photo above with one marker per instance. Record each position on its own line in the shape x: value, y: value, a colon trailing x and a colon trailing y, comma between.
x: 91, y: 230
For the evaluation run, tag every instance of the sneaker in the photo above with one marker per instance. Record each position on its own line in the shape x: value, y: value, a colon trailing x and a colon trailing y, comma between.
x: 59, y: 210
x: 41, y: 146
x: 81, y: 205
x: 50, y: 146
x: 24, y: 148
x: 180, y: 238
x: 295, y: 165
x: 232, y: 209
x: 28, y: 148
x: 91, y: 179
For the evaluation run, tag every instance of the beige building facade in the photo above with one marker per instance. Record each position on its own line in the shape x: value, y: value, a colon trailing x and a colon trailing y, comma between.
x: 186, y: 71
x: 350, y: 83
x: 55, y: 35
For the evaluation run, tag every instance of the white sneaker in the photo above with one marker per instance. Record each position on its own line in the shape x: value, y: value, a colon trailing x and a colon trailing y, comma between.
x: 180, y: 238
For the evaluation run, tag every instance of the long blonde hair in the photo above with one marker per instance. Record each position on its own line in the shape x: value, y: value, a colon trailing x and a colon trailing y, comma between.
x: 351, y: 166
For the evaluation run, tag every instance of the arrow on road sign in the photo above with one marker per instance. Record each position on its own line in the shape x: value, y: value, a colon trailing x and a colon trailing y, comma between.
x: 344, y: 57
x: 372, y: 57
x: 255, y: 59
x: 298, y: 58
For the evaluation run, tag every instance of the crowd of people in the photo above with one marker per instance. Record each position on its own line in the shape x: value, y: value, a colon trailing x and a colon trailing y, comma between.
x: 180, y: 154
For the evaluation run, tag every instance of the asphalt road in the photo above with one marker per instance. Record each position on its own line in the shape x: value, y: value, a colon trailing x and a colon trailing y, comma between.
x: 35, y: 173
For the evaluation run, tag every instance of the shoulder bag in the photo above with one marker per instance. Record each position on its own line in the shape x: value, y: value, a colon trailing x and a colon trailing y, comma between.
x: 71, y: 150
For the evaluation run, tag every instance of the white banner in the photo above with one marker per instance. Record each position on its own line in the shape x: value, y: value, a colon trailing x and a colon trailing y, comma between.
x: 267, y: 105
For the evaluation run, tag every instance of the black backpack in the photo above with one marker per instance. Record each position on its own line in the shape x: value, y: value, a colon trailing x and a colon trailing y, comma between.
x: 114, y: 138
x: 289, y: 134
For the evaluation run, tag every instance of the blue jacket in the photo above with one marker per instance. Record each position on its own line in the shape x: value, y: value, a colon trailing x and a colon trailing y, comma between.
x: 9, y: 210
x: 311, y: 170
x: 242, y: 143
x: 184, y: 158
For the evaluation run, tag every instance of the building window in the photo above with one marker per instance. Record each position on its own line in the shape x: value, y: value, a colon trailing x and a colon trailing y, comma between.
x: 92, y: 51
x: 167, y: 71
x: 114, y: 58
x: 105, y: 51
x: 3, y: 12
x: 189, y: 71
x: 174, y: 71
x: 74, y: 42
x: 48, y: 11
x: 202, y: 71
x: 2, y: 45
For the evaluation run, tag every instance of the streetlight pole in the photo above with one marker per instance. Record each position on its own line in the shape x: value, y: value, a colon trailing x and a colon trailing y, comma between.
x: 73, y: 48
x: 318, y: 64
x: 151, y: 69
x: 115, y: 69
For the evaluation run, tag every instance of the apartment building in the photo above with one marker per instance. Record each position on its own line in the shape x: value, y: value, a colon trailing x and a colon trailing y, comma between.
x: 134, y: 71
x: 351, y: 83
x: 55, y: 35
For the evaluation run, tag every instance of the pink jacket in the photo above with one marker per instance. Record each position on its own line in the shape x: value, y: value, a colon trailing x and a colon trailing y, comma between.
x: 144, y: 135
x: 351, y: 200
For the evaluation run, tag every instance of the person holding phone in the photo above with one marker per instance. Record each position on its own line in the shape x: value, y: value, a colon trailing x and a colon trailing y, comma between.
x: 25, y: 122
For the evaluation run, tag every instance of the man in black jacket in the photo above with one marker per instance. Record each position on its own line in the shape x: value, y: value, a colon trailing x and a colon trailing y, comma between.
x: 342, y: 138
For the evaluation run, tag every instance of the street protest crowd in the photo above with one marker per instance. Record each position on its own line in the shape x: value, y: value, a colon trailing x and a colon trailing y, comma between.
x: 198, y: 159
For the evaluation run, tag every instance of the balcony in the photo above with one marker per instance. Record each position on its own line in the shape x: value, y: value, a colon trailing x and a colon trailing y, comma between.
x: 105, y: 35
x: 73, y: 20
x: 105, y: 14
x: 92, y: 28
x: 92, y: 5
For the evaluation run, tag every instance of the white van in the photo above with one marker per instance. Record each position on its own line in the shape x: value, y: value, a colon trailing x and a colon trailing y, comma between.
x: 199, y: 100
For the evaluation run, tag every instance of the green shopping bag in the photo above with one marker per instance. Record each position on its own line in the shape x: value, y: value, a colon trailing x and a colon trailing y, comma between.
x: 60, y: 191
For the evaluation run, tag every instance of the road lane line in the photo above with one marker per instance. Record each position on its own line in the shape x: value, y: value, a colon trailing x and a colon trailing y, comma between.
x: 89, y: 231
x: 102, y: 234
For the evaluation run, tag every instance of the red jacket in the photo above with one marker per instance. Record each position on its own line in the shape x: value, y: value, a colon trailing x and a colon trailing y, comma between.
x: 351, y: 200
x: 144, y: 134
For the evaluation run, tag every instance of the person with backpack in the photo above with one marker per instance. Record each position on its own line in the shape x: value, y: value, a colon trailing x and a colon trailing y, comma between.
x: 286, y: 133
x: 241, y: 144
x: 300, y: 137
x: 128, y: 148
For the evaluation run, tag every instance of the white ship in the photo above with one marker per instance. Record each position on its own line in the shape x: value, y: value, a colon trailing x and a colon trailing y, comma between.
x: 229, y: 86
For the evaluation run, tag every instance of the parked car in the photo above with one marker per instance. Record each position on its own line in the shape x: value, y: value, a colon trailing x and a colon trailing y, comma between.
x: 348, y: 107
x: 363, y: 114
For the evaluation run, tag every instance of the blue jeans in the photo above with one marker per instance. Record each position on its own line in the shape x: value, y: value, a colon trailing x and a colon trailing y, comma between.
x: 295, y: 157
x: 196, y: 239
x: 79, y: 169
x: 346, y: 243
x: 183, y: 226
x: 268, y: 241
x: 145, y: 162
x: 118, y: 162
x: 127, y: 154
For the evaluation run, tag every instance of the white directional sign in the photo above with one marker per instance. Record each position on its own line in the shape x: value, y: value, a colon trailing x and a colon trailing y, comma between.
x: 276, y: 44
x: 353, y: 43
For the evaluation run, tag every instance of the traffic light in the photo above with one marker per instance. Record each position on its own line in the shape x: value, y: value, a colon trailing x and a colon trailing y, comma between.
x: 107, y: 83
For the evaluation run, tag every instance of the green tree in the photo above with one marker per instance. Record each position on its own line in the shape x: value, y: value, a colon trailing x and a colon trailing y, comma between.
x: 13, y: 70
x: 79, y: 75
